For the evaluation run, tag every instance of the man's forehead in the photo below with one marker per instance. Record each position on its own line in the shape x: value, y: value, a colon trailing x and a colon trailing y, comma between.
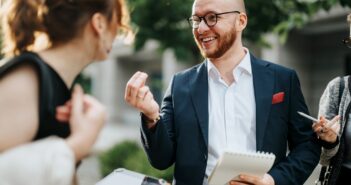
x: 213, y: 5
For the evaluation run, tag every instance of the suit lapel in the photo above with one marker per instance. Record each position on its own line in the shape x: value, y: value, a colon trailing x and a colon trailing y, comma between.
x: 199, y: 96
x: 263, y: 80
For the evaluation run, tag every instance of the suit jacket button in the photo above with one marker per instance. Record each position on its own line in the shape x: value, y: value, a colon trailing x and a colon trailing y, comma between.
x: 205, y: 157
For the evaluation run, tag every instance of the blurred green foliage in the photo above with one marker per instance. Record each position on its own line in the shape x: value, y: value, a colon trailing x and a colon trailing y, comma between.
x: 129, y: 155
x: 165, y: 21
x: 85, y: 82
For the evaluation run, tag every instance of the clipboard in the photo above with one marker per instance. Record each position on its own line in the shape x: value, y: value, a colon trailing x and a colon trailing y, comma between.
x: 231, y: 164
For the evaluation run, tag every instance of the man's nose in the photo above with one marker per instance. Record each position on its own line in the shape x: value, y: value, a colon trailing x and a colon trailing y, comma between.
x: 202, y: 27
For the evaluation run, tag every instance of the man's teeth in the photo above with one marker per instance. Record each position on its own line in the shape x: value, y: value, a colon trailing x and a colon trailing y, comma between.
x: 208, y: 39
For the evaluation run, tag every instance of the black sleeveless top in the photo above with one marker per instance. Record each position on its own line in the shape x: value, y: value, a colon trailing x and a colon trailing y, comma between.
x: 53, y: 92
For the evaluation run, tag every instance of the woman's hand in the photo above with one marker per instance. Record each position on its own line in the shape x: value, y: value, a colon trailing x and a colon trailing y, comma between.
x: 86, y: 117
x: 327, y: 130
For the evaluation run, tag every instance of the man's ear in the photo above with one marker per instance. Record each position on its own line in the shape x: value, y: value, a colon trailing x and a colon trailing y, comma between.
x: 98, y: 22
x: 241, y: 22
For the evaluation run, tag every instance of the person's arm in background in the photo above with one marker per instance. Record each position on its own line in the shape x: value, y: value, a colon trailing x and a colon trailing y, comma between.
x: 86, y: 117
x: 328, y: 106
x: 51, y: 161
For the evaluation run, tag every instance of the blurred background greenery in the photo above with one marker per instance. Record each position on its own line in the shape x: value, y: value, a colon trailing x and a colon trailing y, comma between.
x: 165, y: 21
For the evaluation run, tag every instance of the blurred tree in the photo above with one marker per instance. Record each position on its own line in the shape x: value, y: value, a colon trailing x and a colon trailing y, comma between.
x: 165, y: 21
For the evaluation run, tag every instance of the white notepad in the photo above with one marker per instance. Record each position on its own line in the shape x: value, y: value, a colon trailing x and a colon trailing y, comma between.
x: 231, y: 164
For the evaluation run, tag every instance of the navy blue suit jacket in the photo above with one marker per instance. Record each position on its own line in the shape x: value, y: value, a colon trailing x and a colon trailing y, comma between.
x: 181, y: 135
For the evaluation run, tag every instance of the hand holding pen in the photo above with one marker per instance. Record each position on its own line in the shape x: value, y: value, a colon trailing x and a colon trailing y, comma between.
x: 325, y: 129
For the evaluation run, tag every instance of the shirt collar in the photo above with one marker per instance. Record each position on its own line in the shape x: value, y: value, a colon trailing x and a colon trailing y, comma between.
x: 244, y: 66
x: 212, y: 70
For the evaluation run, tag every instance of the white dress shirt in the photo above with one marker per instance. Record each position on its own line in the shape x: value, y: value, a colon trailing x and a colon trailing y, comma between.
x: 232, y: 112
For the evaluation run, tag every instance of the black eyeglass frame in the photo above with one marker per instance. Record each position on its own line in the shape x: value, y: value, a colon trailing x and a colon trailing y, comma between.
x: 190, y: 19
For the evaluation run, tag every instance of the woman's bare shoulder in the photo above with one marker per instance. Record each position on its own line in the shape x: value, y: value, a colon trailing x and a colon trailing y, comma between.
x: 19, y: 106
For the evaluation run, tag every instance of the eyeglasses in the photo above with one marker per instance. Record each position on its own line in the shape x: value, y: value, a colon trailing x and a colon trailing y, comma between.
x: 210, y: 19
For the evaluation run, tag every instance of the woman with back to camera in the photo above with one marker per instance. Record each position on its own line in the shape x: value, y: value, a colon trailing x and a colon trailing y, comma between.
x: 335, y: 135
x: 35, y: 86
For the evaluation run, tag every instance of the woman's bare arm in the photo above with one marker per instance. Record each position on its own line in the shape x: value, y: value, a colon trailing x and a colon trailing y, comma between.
x: 19, y: 106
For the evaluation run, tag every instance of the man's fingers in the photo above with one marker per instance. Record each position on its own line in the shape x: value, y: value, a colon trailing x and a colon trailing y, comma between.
x: 130, y: 81
x: 237, y: 183
x: 142, y: 92
x: 245, y: 179
x: 137, y: 84
x: 148, y: 97
x: 249, y: 179
x: 134, y: 86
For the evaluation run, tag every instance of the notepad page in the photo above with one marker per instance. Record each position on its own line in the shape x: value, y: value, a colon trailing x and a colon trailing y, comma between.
x: 232, y: 164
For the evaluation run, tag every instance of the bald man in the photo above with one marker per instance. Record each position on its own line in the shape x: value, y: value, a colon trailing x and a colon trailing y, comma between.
x: 230, y: 101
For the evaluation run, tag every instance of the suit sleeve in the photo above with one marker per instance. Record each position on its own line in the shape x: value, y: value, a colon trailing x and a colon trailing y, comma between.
x: 159, y: 142
x: 304, y: 150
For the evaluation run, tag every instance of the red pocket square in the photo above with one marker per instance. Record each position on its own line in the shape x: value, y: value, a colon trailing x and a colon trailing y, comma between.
x: 278, y: 98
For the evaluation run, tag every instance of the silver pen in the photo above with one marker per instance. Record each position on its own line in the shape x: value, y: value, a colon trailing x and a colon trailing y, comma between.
x: 316, y: 120
x: 308, y: 116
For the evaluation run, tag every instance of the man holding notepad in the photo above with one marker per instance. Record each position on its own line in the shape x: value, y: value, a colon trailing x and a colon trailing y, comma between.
x: 232, y: 100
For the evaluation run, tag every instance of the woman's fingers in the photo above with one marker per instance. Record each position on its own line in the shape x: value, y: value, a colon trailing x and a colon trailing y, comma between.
x: 336, y: 128
x: 94, y: 108
x: 333, y: 121
x: 63, y: 113
x: 77, y: 100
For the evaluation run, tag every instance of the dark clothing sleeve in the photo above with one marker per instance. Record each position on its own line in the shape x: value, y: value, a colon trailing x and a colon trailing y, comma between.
x: 159, y: 142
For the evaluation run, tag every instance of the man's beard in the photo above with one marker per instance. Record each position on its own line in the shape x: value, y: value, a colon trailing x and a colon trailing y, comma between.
x: 224, y: 44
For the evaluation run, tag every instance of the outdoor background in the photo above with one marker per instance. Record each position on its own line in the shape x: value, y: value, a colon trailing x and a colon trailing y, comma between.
x: 305, y: 35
